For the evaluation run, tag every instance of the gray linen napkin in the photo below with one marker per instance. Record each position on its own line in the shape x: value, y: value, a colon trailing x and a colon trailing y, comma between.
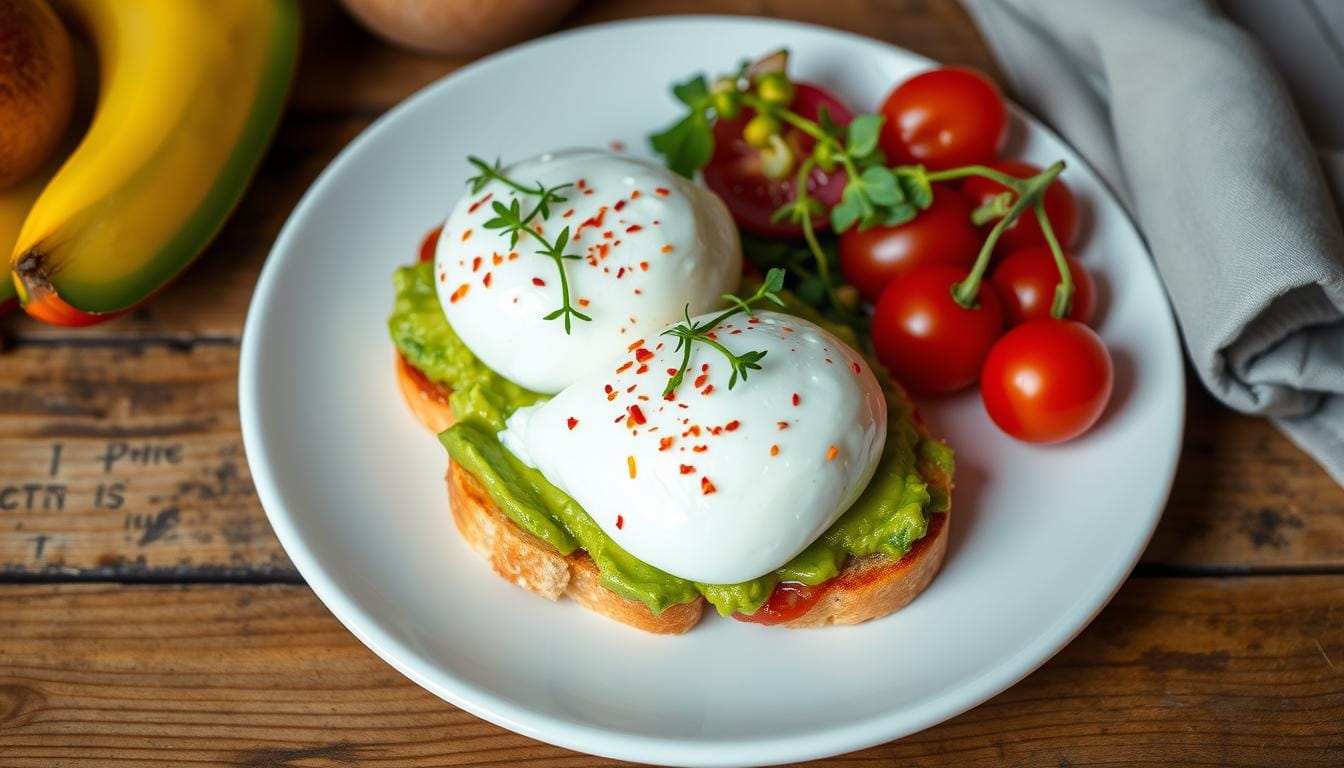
x: 1188, y: 120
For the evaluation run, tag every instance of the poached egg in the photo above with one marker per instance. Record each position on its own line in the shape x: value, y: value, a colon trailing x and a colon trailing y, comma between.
x: 648, y: 242
x: 717, y: 485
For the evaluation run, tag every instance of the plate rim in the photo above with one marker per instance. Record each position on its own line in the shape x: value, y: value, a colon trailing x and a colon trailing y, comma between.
x: 879, y: 728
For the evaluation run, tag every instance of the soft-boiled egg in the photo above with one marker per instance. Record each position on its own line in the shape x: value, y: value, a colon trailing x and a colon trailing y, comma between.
x: 715, y: 485
x: 648, y: 242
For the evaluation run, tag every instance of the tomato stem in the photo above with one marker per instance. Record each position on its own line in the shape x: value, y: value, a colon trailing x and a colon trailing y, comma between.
x: 996, y: 207
x: 951, y: 174
x: 1029, y: 192
x: 1063, y: 301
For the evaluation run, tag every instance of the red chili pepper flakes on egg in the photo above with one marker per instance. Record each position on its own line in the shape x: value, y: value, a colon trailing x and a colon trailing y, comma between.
x: 706, y: 487
x: 700, y: 448
x: 665, y: 443
x: 642, y: 369
x: 538, y: 281
x: 662, y: 191
x: 475, y: 263
x: 459, y: 293
x: 687, y: 469
x: 635, y: 345
x: 708, y: 388
x: 486, y: 280
x: 619, y: 205
x: 732, y: 425
x: 831, y: 453
x: 701, y: 380
x: 783, y: 424
x: 634, y: 195
x: 583, y: 302
x: 637, y: 414
x: 476, y: 205
x: 774, y: 450
x: 581, y: 183
x: 667, y: 248
x: 796, y: 399
x: 466, y: 234
x: 513, y: 255
x: 496, y: 259
x: 625, y: 366
x: 571, y: 422
x: 633, y: 228
x: 855, y: 367
x: 620, y: 522
x: 644, y: 266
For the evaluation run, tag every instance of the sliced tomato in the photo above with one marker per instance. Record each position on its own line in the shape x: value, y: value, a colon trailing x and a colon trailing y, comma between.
x: 734, y: 172
x: 790, y: 600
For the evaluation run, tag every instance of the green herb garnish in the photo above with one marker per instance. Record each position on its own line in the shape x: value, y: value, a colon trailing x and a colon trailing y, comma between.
x: 688, y: 333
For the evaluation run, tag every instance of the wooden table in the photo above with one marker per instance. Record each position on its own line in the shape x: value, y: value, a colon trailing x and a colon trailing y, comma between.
x: 149, y: 616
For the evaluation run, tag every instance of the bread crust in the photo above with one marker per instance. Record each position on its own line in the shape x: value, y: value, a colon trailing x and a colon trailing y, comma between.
x: 867, y: 587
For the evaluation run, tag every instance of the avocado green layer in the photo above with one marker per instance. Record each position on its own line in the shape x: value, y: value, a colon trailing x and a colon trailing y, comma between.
x: 890, y: 516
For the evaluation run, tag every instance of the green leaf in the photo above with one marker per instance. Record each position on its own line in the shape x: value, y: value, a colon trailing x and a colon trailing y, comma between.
x: 845, y: 213
x: 880, y: 186
x: 687, y: 146
x: 915, y: 183
x: 828, y: 124
x: 694, y: 93
x: 774, y: 282
x: 863, y: 133
x: 898, y: 215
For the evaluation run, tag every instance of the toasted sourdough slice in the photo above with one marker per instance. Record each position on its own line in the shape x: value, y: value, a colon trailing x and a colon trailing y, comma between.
x: 867, y: 587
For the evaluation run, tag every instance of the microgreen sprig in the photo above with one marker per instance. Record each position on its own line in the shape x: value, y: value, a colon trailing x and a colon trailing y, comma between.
x: 688, y: 333
x: 511, y: 219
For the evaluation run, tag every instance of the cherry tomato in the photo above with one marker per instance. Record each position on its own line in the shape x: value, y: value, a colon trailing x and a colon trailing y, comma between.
x: 1060, y: 208
x: 430, y: 243
x: 940, y: 234
x: 734, y: 171
x: 944, y: 118
x: 928, y: 341
x: 1047, y: 380
x: 1026, y: 280
x: 789, y: 601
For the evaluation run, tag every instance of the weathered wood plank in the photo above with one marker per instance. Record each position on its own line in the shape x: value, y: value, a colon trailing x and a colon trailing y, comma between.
x: 1245, y: 497
x: 127, y: 461
x: 1196, y: 672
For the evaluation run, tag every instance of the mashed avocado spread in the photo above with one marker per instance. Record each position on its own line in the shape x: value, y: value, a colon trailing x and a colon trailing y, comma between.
x: 890, y: 516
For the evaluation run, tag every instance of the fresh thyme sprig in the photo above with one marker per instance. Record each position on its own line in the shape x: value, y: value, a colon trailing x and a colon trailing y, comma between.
x: 688, y: 333
x: 511, y: 219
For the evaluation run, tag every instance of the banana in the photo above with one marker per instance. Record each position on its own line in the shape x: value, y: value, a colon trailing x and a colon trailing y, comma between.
x: 190, y: 92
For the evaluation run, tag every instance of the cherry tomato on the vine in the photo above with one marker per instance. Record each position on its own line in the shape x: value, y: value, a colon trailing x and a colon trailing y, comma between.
x: 1026, y: 280
x: 940, y: 234
x: 734, y: 171
x: 944, y: 118
x: 1047, y: 381
x: 1060, y: 208
x: 928, y: 341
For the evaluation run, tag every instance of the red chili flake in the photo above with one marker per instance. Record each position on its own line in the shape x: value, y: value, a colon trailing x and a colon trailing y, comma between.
x: 633, y: 228
x: 620, y: 522
x: 630, y: 388
x: 635, y: 345
x: 612, y: 396
x: 443, y: 277
x: 459, y: 293
x: 732, y: 425
x: 644, y: 266
x: 796, y: 399
x: 782, y: 424
x: 480, y: 202
x: 620, y: 273
x: 667, y: 248
x: 486, y: 280
x: 583, y: 302
x: 704, y: 367
x: 642, y: 369
x: 496, y: 259
x: 708, y: 388
x: 682, y: 405
x: 572, y: 422
x: 466, y: 234
x: 828, y: 361
x: 567, y: 214
x: 634, y: 195
x: 513, y: 255
x: 608, y: 235
x: 642, y: 354
x: 538, y: 281
x: 630, y: 464
x: 774, y: 450
x: 700, y: 448
x: 701, y: 379
x: 592, y: 221
x: 636, y: 413
x: 735, y: 332
x: 671, y: 371
x: 625, y: 367
x: 581, y: 183
x: 607, y: 389
x: 619, y: 205
x: 715, y: 430
x: 687, y: 469
x: 694, y: 430
x: 754, y: 320
x: 706, y: 487
x: 831, y: 453
x: 662, y: 192
x: 475, y: 263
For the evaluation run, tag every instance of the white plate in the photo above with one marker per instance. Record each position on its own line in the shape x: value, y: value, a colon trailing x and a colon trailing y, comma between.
x: 1041, y: 537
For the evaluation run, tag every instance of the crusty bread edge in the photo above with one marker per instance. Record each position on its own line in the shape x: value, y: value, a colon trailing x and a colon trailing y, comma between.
x: 867, y: 588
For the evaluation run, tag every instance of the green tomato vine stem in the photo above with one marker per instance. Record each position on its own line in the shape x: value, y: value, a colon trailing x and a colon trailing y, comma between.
x: 1029, y: 193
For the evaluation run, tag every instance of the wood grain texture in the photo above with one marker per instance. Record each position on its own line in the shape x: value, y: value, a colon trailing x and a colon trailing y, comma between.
x: 1191, y: 672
